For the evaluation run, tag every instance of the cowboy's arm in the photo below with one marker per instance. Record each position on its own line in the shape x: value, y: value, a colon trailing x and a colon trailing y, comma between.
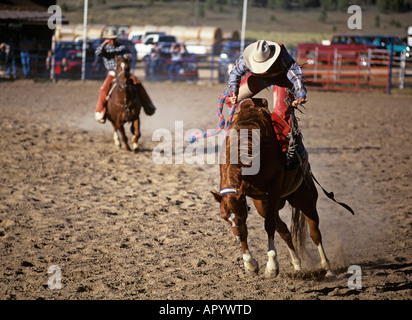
x: 294, y: 75
x: 99, y: 49
x: 238, y: 71
x: 121, y: 51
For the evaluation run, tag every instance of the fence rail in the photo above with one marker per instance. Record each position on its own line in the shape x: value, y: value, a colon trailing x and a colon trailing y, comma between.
x: 323, y: 69
x: 402, y: 71
x: 346, y: 70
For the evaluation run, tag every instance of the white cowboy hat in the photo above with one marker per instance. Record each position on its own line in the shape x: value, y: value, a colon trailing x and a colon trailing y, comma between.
x: 110, y: 34
x: 259, y: 56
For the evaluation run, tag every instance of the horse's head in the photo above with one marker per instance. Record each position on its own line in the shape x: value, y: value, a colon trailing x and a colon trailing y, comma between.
x: 122, y: 68
x: 233, y: 206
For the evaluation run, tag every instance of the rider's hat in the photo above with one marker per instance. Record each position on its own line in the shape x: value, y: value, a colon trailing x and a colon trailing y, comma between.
x: 259, y: 56
x: 110, y: 34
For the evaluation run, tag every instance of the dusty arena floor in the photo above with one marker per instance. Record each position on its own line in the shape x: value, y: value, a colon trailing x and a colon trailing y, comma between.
x: 115, y: 225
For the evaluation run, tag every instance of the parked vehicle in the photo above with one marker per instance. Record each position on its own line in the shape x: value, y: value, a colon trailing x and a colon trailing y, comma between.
x: 385, y: 42
x: 70, y: 54
x: 143, y: 49
x: 62, y: 47
x: 138, y: 36
x: 228, y: 55
x: 70, y: 64
x: 348, y: 46
x: 188, y: 70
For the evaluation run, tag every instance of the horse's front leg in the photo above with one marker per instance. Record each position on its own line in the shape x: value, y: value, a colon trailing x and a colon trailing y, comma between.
x: 136, y: 136
x: 124, y: 138
x: 115, y: 136
x: 249, y: 262
x: 239, y: 228
x: 266, y: 210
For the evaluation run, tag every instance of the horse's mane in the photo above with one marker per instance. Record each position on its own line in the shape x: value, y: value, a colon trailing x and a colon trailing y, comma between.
x: 251, y: 115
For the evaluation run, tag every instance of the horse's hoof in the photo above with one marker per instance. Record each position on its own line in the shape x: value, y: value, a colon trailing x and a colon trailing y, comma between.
x: 330, y: 274
x: 272, y: 266
x: 252, y: 267
x: 135, y: 146
x: 250, y: 264
x: 272, y: 273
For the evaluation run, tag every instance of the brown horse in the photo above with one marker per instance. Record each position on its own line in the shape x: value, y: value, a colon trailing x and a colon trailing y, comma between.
x: 124, y: 104
x: 269, y: 188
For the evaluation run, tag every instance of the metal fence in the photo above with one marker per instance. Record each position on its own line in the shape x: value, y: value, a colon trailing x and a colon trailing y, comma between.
x: 401, y: 76
x: 324, y: 69
x: 346, y: 70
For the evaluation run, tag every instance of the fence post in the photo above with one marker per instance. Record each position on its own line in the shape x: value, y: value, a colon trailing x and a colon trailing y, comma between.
x: 402, y: 70
x: 212, y: 64
x: 359, y: 60
x: 335, y: 60
x: 390, y: 68
x: 53, y: 59
x: 315, y: 76
x: 328, y: 70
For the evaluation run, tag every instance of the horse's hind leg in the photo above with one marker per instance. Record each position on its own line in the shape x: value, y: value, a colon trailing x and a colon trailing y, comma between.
x: 312, y: 218
x: 284, y: 233
x: 305, y: 200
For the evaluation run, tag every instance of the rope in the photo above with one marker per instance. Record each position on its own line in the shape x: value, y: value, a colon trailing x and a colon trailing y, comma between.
x: 209, y: 133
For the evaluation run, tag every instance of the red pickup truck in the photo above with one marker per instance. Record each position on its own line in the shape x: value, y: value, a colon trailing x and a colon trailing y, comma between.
x: 345, y: 45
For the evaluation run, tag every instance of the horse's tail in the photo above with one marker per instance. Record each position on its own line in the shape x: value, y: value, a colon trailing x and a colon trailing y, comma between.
x: 299, y: 232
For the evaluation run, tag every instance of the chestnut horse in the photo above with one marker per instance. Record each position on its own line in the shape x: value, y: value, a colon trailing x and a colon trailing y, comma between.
x: 269, y: 188
x: 124, y: 104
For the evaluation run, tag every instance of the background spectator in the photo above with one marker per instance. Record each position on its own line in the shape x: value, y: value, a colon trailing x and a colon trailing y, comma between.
x: 176, y: 51
x: 8, y: 51
x: 25, y: 47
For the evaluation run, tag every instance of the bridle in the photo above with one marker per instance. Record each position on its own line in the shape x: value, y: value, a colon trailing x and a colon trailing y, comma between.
x: 231, y: 219
x: 122, y: 85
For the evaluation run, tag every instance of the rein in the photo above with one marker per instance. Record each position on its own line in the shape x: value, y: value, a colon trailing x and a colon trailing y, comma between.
x: 124, y: 85
x: 209, y: 133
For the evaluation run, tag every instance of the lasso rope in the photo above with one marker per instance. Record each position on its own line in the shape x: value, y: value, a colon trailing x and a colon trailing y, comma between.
x: 209, y: 133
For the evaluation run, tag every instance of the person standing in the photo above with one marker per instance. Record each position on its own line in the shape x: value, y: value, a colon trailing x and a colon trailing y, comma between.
x: 25, y: 47
x: 8, y: 51
x: 154, y: 61
x: 176, y: 52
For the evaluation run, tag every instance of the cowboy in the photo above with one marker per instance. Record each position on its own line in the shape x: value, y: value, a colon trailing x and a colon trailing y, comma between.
x: 264, y: 64
x: 108, y: 50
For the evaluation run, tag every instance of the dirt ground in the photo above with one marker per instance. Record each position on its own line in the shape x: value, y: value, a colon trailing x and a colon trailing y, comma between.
x: 119, y: 226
